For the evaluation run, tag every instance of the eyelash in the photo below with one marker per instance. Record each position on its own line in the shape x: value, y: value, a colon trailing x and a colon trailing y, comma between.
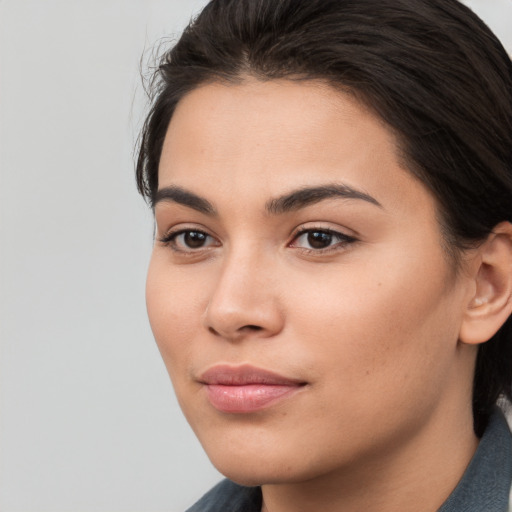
x: 343, y: 240
x: 169, y: 240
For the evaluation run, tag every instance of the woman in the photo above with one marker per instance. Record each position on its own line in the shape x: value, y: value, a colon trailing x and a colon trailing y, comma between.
x: 331, y: 281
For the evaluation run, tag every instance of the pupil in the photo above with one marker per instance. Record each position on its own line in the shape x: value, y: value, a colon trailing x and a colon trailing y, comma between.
x: 194, y: 239
x: 319, y: 240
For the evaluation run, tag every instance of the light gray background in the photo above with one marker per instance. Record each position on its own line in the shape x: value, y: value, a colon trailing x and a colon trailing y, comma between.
x: 88, y: 418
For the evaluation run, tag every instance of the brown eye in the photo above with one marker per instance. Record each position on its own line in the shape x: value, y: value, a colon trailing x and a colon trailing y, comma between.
x: 189, y: 240
x: 319, y: 239
x: 194, y: 239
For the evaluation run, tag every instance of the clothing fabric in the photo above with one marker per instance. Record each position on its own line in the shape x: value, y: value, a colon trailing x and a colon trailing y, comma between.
x: 484, y: 487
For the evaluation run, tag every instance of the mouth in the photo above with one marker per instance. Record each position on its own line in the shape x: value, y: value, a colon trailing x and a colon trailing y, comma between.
x: 245, y: 389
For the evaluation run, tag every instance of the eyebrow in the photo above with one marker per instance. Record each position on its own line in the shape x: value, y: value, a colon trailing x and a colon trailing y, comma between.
x: 310, y: 195
x: 181, y: 196
x: 292, y: 201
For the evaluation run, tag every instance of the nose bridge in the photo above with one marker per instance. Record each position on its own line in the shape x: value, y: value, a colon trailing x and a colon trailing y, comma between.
x: 244, y: 299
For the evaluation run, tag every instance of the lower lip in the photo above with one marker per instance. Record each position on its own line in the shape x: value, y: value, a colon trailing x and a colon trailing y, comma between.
x: 247, y: 398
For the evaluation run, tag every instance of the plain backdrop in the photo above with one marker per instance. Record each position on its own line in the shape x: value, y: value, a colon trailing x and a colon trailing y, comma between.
x: 88, y: 419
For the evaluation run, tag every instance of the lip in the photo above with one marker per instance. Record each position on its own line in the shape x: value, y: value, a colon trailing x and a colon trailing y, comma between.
x: 245, y: 389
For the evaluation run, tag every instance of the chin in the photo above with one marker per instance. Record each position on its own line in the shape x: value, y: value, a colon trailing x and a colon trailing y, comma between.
x: 248, y: 466
x: 255, y: 474
x: 264, y: 461
x: 245, y: 477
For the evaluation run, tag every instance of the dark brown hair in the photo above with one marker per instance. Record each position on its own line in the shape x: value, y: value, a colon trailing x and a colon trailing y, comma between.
x: 431, y: 69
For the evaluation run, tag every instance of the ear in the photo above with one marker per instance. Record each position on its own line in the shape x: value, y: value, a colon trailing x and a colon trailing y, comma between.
x: 491, y: 302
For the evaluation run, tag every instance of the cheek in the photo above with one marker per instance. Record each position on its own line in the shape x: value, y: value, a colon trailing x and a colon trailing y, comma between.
x: 379, y: 331
x: 173, y: 303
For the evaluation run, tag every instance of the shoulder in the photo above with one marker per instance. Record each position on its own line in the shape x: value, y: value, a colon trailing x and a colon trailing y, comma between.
x: 227, y: 496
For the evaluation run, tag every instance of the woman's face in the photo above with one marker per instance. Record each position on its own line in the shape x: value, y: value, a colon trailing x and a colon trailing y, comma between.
x: 298, y: 289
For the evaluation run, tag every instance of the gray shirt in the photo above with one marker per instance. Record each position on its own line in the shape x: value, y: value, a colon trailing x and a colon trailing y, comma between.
x: 484, y: 487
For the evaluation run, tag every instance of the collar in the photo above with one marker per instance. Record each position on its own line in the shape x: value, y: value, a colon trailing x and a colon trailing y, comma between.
x: 485, y: 485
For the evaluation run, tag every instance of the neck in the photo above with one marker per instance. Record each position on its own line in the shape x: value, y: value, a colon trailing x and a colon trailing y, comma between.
x: 417, y: 475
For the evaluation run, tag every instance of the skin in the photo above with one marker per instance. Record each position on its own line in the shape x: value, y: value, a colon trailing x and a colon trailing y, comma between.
x: 370, y: 323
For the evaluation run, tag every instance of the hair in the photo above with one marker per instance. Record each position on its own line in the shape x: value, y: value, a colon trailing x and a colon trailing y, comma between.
x: 430, y: 69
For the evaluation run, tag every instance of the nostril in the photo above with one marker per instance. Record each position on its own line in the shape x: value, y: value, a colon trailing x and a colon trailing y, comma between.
x: 253, y: 327
x: 235, y: 333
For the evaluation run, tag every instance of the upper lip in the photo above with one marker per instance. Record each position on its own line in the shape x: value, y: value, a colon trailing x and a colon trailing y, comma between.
x: 243, y: 375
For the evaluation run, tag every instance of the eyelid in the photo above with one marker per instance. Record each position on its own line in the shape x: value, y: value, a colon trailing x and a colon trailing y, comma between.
x: 168, y: 238
x: 344, y: 239
x: 341, y: 239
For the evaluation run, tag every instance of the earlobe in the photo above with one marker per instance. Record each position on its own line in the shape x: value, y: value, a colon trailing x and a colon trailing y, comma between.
x: 491, y: 303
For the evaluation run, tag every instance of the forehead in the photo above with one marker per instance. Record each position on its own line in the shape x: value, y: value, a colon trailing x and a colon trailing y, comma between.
x: 284, y: 117
x: 265, y: 137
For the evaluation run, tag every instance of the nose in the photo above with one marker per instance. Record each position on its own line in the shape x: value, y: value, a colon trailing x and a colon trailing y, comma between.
x: 244, y: 302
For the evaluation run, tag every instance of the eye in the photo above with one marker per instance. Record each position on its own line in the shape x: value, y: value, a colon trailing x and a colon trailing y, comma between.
x: 318, y: 240
x: 188, y: 240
